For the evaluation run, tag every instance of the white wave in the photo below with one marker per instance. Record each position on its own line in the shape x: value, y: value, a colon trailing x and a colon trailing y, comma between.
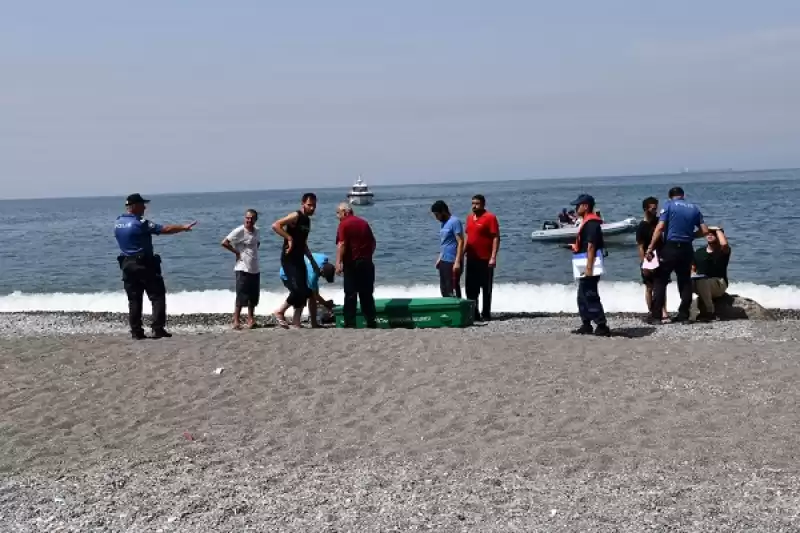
x: 513, y: 298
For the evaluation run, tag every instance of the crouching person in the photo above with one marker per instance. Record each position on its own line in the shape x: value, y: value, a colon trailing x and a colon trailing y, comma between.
x: 326, y: 271
x: 711, y: 272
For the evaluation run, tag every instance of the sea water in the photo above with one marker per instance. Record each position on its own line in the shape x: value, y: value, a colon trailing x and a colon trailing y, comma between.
x: 60, y: 254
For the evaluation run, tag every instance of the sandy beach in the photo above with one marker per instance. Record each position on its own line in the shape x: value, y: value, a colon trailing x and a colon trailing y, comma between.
x: 515, y: 426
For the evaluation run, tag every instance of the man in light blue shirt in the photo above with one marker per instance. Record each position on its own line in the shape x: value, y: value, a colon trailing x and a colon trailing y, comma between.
x: 679, y: 223
x: 451, y: 250
x: 327, y: 271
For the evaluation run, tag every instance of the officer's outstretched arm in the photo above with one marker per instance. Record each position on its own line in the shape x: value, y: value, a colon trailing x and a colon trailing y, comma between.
x: 171, y: 229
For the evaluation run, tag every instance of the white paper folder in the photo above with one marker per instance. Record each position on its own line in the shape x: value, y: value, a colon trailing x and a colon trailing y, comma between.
x: 579, y: 264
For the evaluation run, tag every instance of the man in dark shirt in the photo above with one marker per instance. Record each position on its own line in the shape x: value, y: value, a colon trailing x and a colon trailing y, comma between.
x: 590, y: 242
x: 294, y: 228
x: 355, y: 246
x: 644, y: 235
x: 141, y: 267
x: 711, y: 271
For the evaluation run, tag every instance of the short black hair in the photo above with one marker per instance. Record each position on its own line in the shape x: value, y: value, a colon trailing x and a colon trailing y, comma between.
x: 650, y: 200
x: 481, y: 198
x: 676, y: 191
x: 252, y: 212
x: 439, y: 207
x: 309, y: 196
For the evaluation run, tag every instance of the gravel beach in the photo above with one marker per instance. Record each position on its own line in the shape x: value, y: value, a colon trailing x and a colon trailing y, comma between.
x: 511, y: 426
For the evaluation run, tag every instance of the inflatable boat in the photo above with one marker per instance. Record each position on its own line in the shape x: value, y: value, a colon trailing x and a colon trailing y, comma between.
x: 553, y: 232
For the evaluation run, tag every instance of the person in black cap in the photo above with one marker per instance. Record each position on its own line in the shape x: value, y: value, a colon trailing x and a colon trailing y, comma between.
x: 141, y: 268
x: 589, y: 241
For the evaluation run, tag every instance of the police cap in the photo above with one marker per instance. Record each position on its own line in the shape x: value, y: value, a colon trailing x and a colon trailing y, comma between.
x: 135, y: 198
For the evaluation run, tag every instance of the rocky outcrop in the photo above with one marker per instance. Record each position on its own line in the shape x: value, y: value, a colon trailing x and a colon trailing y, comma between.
x: 735, y: 307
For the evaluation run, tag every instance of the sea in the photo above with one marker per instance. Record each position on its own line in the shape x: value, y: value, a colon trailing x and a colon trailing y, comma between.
x: 60, y: 254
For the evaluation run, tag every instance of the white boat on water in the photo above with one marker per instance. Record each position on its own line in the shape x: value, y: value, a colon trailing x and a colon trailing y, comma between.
x: 561, y: 233
x: 360, y: 193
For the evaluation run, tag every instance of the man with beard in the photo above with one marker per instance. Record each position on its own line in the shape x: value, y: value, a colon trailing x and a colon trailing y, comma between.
x: 483, y: 242
x: 294, y: 228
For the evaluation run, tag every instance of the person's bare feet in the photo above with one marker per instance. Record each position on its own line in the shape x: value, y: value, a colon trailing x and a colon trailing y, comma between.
x: 280, y: 318
x: 237, y: 326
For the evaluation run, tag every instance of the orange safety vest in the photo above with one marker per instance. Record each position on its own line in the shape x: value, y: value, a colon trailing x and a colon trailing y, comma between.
x: 589, y: 216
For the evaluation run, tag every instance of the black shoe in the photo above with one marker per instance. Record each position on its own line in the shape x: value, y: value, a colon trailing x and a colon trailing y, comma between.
x: 585, y: 329
x: 138, y: 335
x: 602, y: 331
x: 161, y: 334
x: 680, y: 319
x: 706, y: 317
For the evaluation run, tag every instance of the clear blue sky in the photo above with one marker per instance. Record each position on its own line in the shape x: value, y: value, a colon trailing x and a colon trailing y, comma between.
x: 103, y: 97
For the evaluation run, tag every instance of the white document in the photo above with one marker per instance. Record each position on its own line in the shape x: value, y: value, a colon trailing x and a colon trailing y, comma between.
x: 579, y: 264
x: 651, y: 265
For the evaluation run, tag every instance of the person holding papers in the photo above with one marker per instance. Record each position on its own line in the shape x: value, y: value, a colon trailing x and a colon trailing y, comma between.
x: 587, y: 265
x: 650, y: 269
x: 710, y: 272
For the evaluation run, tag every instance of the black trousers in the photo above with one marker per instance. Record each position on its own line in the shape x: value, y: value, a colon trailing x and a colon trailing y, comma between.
x: 142, y: 274
x: 449, y: 280
x: 675, y: 257
x: 589, y: 305
x: 296, y: 280
x: 359, y: 286
x: 479, y: 280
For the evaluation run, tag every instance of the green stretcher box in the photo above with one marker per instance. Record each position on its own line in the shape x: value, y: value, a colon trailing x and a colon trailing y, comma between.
x: 416, y: 313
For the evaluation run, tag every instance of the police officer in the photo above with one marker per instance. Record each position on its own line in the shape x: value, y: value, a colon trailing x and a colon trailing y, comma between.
x: 141, y: 268
x: 678, y: 219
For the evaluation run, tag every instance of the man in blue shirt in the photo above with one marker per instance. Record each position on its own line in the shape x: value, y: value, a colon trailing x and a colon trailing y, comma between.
x: 679, y: 223
x: 451, y: 250
x: 141, y: 268
x: 327, y: 271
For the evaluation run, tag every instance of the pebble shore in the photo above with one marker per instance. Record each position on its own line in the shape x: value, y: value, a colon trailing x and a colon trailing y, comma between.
x: 85, y: 323
x: 514, y: 425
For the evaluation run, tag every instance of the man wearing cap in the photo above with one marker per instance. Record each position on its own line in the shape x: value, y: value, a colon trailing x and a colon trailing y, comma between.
x: 678, y: 220
x: 589, y: 241
x: 141, y: 268
x: 326, y: 271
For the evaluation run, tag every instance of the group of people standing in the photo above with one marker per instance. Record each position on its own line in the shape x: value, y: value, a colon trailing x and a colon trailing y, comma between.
x: 665, y: 240
x: 477, y: 251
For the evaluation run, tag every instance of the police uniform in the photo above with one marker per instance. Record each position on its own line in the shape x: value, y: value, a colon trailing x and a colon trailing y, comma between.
x: 141, y: 269
x: 681, y: 219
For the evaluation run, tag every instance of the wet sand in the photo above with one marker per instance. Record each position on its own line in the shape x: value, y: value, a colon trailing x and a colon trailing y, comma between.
x: 517, y: 426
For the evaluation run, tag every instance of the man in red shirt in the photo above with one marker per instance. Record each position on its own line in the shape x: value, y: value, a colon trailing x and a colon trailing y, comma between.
x: 355, y: 246
x: 483, y: 241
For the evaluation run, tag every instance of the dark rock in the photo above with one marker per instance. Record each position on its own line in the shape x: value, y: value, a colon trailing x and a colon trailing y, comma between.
x: 735, y: 307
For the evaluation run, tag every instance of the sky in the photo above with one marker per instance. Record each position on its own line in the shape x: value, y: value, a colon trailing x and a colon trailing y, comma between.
x: 106, y: 98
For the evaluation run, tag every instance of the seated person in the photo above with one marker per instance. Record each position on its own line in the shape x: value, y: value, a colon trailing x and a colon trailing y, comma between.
x: 573, y: 217
x: 710, y: 271
x: 327, y: 271
x: 563, y: 217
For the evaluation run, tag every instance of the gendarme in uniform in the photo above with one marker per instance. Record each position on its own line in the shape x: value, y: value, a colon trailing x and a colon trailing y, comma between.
x: 141, y: 267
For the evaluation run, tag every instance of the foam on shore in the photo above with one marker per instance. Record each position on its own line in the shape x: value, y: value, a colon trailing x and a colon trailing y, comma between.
x: 618, y: 297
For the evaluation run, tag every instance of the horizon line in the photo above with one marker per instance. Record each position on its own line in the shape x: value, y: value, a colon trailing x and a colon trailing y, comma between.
x: 413, y: 184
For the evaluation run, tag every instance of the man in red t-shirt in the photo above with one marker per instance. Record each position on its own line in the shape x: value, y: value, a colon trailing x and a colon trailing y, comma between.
x: 355, y: 246
x: 483, y: 241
